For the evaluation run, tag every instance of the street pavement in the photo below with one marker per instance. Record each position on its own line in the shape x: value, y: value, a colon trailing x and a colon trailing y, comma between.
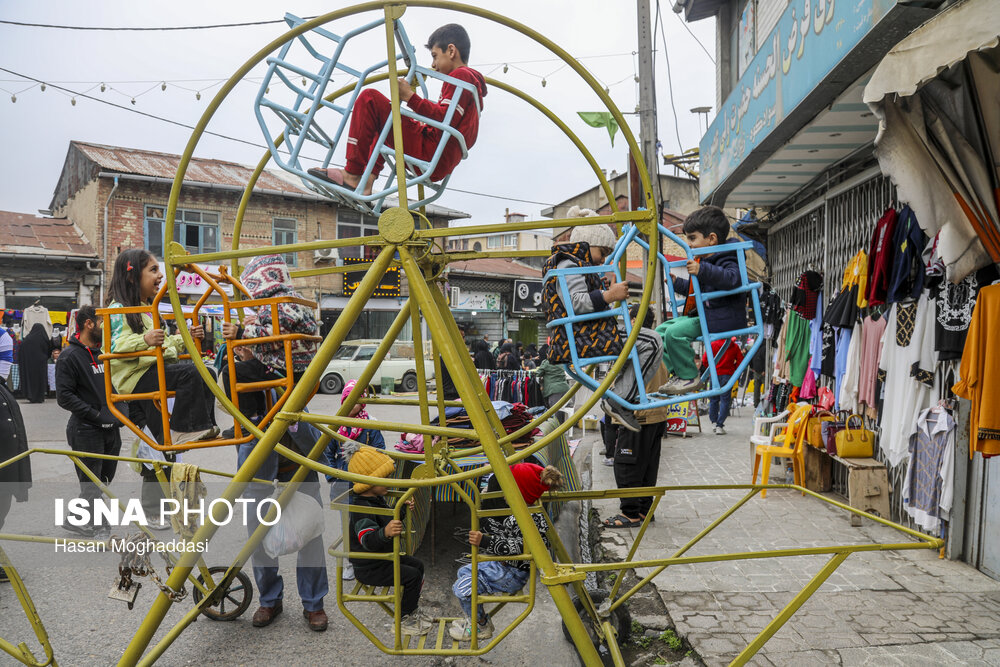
x: 878, y: 608
x: 88, y: 628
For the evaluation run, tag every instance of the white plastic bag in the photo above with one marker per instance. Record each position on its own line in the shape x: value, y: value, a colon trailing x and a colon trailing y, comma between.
x: 301, y: 522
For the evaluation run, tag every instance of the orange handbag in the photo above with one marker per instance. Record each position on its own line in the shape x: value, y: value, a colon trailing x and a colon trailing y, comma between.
x: 814, y: 435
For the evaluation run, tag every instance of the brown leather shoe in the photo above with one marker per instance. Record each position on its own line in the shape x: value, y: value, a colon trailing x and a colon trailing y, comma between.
x: 264, y: 616
x: 317, y: 619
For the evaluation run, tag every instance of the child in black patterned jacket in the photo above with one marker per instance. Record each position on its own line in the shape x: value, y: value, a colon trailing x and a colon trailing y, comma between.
x: 501, y: 536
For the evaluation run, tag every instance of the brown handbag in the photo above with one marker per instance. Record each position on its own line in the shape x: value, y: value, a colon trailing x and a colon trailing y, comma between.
x: 855, y: 443
x: 830, y: 429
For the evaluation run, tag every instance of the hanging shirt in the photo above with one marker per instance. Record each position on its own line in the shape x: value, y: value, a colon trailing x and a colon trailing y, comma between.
x: 816, y: 338
x: 881, y: 254
x: 871, y: 351
x: 907, y: 276
x: 908, y: 361
x: 928, y: 489
x: 955, y: 305
x: 829, y: 364
x: 797, y: 348
x: 843, y: 345
x: 980, y: 373
x: 805, y: 294
x: 849, y: 383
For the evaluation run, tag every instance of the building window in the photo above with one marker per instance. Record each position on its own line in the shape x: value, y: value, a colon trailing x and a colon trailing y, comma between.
x: 494, y: 241
x: 352, y: 224
x: 477, y: 247
x: 197, y: 231
x: 284, y: 232
x: 510, y: 240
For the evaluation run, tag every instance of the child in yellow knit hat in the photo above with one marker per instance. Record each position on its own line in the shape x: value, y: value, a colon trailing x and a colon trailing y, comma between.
x: 374, y: 532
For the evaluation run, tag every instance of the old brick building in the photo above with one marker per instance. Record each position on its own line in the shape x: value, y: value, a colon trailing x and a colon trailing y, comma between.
x: 118, y: 198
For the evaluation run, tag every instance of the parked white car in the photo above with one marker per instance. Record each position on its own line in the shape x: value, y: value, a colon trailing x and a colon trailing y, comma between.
x: 353, y: 357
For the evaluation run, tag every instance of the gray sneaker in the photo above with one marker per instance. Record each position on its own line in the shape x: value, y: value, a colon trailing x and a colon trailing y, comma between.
x: 720, y: 430
x: 415, y: 624
x: 678, y: 386
x: 621, y: 416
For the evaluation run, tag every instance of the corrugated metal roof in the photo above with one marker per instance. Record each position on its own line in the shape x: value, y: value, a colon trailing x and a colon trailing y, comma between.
x: 28, y: 234
x: 494, y: 266
x: 164, y: 165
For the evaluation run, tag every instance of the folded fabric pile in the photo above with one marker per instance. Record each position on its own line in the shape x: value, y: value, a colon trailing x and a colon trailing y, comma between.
x: 512, y: 416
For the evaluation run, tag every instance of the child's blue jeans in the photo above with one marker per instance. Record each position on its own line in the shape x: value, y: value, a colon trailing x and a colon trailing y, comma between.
x: 494, y: 578
x: 718, y: 406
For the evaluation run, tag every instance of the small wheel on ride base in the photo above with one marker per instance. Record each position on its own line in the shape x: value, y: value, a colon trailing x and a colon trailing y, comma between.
x: 621, y: 621
x: 331, y: 384
x: 409, y: 382
x: 228, y: 604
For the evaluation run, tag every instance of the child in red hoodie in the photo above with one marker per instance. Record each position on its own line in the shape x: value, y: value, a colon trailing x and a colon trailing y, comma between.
x: 725, y: 366
x: 449, y: 46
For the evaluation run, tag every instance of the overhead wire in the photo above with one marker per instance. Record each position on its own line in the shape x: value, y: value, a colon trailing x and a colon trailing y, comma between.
x: 691, y: 32
x: 223, y: 136
x: 25, y: 24
x: 670, y: 82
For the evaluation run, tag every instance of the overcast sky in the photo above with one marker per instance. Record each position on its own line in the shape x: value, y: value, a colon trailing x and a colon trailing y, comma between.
x: 519, y: 155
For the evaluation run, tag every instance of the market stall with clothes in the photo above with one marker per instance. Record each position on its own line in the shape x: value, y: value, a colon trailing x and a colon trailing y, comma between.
x: 894, y: 342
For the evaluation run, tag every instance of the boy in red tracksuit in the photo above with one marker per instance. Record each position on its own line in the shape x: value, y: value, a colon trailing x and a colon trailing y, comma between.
x: 725, y: 366
x: 449, y: 46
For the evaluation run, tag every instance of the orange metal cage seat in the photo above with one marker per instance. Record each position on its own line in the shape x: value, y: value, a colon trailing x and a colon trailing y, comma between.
x: 160, y: 396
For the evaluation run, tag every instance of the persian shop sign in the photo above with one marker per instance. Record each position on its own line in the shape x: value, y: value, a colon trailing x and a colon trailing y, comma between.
x: 809, y: 40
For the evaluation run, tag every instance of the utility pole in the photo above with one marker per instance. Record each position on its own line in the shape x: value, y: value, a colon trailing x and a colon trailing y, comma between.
x: 647, y: 125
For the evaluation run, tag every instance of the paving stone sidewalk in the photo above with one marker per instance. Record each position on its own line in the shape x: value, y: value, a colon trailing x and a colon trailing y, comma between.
x: 878, y: 608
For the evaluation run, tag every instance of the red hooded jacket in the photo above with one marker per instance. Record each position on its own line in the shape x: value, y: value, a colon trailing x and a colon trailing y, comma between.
x: 465, y: 119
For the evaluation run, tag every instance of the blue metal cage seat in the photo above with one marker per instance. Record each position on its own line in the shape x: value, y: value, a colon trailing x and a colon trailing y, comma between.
x: 611, y: 265
x: 311, y: 84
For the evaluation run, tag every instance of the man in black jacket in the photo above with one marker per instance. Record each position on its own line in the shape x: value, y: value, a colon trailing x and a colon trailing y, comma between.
x: 92, y: 427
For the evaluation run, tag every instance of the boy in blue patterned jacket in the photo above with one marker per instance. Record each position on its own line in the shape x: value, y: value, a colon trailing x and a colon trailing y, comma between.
x: 501, y: 536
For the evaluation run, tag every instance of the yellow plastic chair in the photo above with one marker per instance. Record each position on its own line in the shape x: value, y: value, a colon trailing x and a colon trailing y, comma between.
x: 790, y: 444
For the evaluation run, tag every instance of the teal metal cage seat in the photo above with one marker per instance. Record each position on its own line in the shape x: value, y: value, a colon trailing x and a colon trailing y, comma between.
x: 312, y: 100
x: 611, y: 265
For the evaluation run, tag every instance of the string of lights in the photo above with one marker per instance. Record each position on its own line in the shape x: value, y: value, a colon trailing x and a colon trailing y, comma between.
x: 74, y: 94
x: 115, y: 86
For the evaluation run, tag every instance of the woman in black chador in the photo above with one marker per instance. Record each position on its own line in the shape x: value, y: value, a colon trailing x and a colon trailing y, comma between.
x: 36, y: 348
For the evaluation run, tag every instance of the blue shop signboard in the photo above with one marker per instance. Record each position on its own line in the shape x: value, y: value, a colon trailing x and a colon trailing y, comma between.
x: 809, y: 40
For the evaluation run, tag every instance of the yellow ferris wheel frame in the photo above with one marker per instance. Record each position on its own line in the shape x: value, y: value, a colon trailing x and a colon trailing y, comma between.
x: 398, y: 234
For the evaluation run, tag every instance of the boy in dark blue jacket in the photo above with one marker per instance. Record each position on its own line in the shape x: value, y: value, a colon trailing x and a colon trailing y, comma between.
x: 708, y: 226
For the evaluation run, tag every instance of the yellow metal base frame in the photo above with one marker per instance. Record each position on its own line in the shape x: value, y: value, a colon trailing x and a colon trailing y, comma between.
x: 565, y: 573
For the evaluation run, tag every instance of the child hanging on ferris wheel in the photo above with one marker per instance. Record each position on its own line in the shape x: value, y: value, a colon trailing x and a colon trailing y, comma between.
x: 590, y: 246
x: 449, y: 46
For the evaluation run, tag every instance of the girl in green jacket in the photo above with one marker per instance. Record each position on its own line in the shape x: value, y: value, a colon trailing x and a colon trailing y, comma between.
x: 134, y: 282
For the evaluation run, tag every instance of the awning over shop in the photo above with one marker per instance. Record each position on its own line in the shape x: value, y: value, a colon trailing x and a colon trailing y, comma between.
x: 937, y: 97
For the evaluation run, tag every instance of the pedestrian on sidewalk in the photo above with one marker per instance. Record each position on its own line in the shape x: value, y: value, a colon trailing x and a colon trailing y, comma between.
x: 553, y: 380
x: 15, y: 479
x: 36, y: 349
x: 725, y: 366
x: 92, y: 428
x: 637, y: 455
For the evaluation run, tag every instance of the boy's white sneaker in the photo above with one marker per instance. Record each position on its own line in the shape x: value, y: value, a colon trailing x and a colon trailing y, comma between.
x: 461, y: 630
x: 348, y: 572
x: 720, y: 430
x: 415, y: 624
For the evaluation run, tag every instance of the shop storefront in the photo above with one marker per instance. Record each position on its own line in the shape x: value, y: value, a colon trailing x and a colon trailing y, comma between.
x: 887, y: 278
